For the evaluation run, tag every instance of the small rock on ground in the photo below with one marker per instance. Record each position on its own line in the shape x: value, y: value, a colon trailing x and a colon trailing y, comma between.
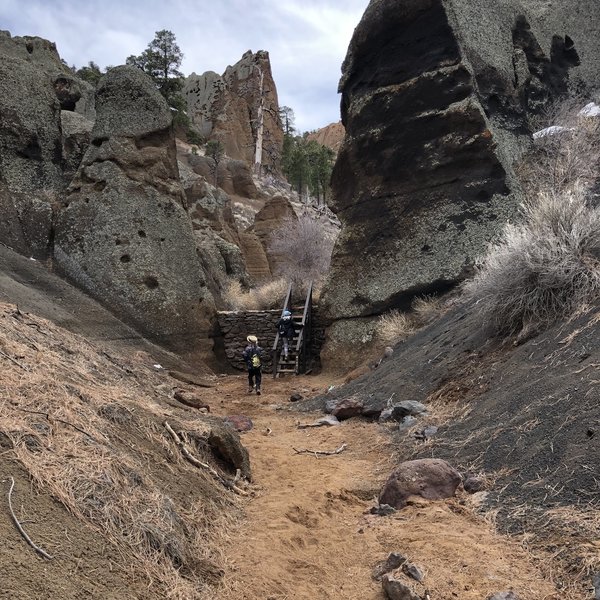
x: 396, y: 590
x: 239, y: 422
x: 393, y: 561
x: 504, y: 596
x: 413, y: 571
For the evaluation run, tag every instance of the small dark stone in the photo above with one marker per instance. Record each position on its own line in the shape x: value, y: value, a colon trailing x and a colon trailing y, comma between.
x: 393, y: 561
x: 383, y: 510
x: 596, y: 584
x: 408, y: 408
x: 474, y: 484
x: 426, y: 433
x: 296, y: 397
x: 504, y: 596
x: 396, y: 590
x: 413, y: 571
x: 406, y: 423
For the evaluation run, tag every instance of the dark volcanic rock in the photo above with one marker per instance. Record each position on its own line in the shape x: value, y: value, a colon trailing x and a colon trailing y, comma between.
x: 396, y: 590
x: 429, y: 478
x: 123, y: 233
x: 239, y: 422
x: 31, y: 177
x: 345, y: 408
x: 226, y: 444
x: 436, y: 101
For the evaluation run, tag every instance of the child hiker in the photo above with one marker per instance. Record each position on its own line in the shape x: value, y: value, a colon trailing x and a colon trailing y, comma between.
x: 287, y: 331
x: 252, y: 355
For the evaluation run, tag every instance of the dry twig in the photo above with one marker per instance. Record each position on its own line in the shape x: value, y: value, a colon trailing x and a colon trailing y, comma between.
x: 198, y: 463
x: 14, y: 361
x: 318, y: 453
x: 18, y: 525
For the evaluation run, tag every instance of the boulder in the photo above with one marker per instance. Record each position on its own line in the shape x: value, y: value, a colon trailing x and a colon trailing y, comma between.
x: 437, y: 102
x: 430, y: 478
x: 123, y: 233
x: 225, y: 443
x: 345, y: 408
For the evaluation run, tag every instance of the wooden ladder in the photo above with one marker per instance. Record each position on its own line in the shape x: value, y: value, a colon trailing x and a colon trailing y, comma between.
x: 297, y: 354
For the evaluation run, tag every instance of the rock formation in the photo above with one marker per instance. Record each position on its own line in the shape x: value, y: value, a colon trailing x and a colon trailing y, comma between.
x: 240, y: 109
x: 331, y: 136
x: 436, y: 101
x: 276, y: 211
x: 123, y: 233
x: 34, y: 86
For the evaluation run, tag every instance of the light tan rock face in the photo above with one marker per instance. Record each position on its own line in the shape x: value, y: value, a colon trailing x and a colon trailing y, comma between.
x: 331, y: 136
x: 123, y: 233
x: 437, y: 99
x: 276, y: 211
x: 227, y: 108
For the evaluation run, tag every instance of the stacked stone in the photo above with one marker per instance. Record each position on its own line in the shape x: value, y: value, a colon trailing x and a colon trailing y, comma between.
x: 236, y: 325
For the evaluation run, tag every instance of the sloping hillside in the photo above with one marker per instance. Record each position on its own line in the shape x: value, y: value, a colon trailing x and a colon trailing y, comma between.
x: 524, y: 417
x: 125, y: 491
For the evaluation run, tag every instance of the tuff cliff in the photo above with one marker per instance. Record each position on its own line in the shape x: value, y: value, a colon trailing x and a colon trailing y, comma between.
x: 240, y: 109
x: 437, y: 100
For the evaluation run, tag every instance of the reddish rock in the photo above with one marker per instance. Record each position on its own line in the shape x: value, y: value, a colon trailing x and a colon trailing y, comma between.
x: 239, y: 422
x: 430, y: 478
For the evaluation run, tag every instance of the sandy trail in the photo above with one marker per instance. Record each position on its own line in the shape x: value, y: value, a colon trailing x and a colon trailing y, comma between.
x: 308, y: 534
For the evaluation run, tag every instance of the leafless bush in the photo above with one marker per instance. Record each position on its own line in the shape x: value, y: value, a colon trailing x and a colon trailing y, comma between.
x: 543, y: 268
x: 302, y: 249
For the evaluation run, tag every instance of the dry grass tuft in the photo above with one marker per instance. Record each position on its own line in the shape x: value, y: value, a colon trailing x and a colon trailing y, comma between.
x: 90, y: 434
x: 269, y: 295
x: 395, y: 326
x: 543, y: 269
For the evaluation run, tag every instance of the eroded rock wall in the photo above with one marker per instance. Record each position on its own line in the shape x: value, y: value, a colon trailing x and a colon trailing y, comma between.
x: 228, y: 108
x: 437, y: 97
x: 123, y: 233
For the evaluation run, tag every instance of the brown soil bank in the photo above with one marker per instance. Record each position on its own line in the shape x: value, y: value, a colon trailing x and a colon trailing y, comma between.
x: 526, y: 416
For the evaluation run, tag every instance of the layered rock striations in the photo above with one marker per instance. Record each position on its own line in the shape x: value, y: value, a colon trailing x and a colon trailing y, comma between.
x: 437, y: 98
x: 123, y: 233
x: 240, y: 109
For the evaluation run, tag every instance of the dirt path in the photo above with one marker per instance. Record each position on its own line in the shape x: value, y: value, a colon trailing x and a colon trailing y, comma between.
x: 308, y: 534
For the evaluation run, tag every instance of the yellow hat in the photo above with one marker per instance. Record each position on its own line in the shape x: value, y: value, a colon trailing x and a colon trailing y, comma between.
x: 252, y: 339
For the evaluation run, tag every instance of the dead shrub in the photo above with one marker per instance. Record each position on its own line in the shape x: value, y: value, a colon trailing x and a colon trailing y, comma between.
x: 303, y: 250
x: 542, y: 269
x: 566, y: 152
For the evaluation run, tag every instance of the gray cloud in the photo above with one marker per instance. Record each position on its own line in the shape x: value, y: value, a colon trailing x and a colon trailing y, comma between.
x: 307, y: 40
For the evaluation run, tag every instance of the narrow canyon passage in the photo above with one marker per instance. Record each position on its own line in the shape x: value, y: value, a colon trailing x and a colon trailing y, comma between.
x: 308, y: 534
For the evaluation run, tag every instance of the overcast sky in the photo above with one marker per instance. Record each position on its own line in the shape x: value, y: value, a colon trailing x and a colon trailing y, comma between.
x: 306, y: 39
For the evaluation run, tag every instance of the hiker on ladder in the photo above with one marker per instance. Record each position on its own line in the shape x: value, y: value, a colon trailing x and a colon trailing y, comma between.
x: 287, y: 330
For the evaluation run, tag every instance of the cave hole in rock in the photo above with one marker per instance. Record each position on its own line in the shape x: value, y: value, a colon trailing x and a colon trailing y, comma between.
x: 29, y: 47
x: 151, y: 282
x: 125, y: 258
x: 142, y: 233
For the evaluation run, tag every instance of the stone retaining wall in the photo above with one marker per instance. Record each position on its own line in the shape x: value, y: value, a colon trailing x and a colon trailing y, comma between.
x: 236, y: 325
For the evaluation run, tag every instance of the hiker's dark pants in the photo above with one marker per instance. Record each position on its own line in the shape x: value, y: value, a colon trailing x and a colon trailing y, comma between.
x: 252, y: 373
